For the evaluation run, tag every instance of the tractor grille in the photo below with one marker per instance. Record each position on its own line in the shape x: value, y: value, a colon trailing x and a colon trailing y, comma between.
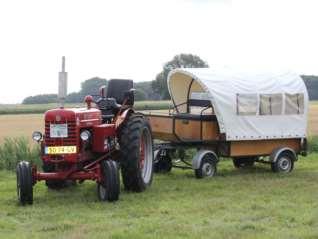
x: 70, y: 140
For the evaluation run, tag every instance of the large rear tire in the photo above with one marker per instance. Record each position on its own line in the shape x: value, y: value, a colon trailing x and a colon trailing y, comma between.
x: 136, y: 146
x: 109, y: 188
x: 24, y: 183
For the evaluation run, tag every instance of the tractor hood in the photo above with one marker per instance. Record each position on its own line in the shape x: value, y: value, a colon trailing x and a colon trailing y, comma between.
x: 82, y: 116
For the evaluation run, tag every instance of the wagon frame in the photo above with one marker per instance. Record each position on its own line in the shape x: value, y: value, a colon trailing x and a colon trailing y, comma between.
x: 278, y: 132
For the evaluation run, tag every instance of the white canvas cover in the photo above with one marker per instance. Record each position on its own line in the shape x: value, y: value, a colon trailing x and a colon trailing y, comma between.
x: 247, y: 105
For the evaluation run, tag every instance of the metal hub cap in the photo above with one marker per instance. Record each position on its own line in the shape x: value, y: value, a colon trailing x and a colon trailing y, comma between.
x: 145, y: 154
x: 208, y: 169
x: 284, y: 164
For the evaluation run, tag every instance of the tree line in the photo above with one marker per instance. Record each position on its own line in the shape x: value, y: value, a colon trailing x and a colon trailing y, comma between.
x: 151, y: 90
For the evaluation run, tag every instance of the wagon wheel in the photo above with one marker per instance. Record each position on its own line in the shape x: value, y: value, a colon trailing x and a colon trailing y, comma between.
x: 242, y: 162
x: 24, y: 183
x: 109, y: 188
x: 162, y: 162
x: 208, y: 167
x: 284, y: 163
x: 136, y: 146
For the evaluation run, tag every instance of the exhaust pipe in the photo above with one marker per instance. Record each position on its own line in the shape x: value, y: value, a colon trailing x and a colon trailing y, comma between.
x: 62, y: 87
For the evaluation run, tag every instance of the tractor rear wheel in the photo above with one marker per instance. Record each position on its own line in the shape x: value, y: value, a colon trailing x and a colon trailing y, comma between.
x: 24, y: 183
x: 109, y: 188
x: 136, y: 146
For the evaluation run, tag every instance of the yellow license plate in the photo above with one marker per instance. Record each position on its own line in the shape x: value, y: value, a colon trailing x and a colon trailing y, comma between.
x: 60, y: 150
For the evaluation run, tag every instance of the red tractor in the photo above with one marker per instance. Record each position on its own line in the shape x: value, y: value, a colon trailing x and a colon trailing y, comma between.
x: 92, y: 144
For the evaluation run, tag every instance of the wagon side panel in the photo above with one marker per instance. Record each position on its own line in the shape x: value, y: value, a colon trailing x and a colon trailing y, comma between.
x: 262, y: 147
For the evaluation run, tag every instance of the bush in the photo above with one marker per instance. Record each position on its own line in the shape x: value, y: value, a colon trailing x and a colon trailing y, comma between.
x: 152, y: 105
x: 41, y: 99
x: 14, y: 150
x: 313, y: 144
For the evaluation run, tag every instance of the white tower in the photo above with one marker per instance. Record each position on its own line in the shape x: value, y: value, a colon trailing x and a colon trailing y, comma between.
x: 62, y: 93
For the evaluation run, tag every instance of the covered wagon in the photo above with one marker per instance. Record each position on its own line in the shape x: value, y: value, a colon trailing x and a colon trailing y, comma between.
x: 224, y: 112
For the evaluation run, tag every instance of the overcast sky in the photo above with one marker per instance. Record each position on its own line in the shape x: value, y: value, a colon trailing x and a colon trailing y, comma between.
x: 133, y: 39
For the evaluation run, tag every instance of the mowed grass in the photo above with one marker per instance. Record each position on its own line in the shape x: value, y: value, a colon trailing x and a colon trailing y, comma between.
x: 24, y: 124
x: 237, y: 203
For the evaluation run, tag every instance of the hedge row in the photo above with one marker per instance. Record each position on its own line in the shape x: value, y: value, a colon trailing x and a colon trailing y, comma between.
x: 41, y: 108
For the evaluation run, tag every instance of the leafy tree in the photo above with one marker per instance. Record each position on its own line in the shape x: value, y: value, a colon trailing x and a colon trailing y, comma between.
x: 159, y: 85
x: 91, y: 86
x: 40, y: 99
x: 74, y: 97
x: 146, y: 88
x: 311, y: 83
x: 140, y: 95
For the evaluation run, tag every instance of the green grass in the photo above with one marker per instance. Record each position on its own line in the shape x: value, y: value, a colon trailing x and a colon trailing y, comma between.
x: 313, y: 144
x: 245, y: 203
x: 41, y: 108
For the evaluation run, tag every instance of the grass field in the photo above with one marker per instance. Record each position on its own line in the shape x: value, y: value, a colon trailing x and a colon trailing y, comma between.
x: 24, y: 124
x: 245, y: 203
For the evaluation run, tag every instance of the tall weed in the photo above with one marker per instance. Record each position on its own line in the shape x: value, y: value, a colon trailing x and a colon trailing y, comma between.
x: 14, y: 150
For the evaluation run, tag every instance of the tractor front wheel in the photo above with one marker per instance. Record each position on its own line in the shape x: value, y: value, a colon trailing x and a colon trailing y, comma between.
x: 136, y: 146
x: 109, y: 188
x: 24, y: 183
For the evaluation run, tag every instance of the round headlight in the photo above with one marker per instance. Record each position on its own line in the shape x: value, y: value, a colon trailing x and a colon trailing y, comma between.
x: 37, y: 136
x: 85, y: 135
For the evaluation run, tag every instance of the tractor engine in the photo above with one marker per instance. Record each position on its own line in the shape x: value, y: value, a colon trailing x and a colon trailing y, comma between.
x: 74, y: 135
x: 68, y: 134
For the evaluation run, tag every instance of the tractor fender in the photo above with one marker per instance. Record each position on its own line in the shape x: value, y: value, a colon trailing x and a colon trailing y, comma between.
x: 274, y: 155
x: 122, y: 117
x: 196, y: 161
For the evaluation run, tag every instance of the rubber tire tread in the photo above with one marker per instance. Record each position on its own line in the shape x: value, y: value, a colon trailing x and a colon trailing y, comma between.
x: 129, y: 138
x: 25, y: 176
x: 198, y: 172
x: 111, y: 183
x: 275, y: 167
